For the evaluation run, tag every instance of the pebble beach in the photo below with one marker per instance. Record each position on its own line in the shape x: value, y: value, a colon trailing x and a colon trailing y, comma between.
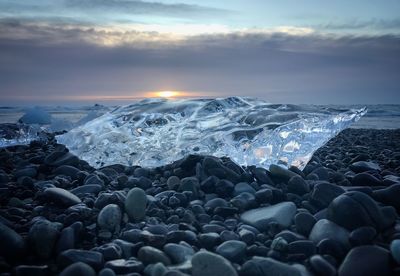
x: 203, y: 215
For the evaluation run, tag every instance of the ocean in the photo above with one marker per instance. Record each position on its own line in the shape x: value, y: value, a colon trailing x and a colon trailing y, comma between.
x: 380, y: 116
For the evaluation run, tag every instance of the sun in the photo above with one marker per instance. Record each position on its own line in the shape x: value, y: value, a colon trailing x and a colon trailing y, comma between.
x: 167, y: 94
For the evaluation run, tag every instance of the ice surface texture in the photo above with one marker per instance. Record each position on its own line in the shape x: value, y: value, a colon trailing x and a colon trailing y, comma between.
x: 20, y: 134
x: 155, y: 132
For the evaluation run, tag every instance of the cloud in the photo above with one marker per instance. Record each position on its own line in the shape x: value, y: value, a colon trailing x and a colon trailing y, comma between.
x: 376, y: 24
x: 146, y: 7
x: 54, y: 62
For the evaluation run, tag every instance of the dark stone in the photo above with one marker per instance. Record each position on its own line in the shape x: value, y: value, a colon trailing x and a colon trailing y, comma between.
x: 389, y: 196
x: 280, y: 172
x: 366, y: 179
x: 12, y: 245
x: 78, y: 269
x: 87, y: 189
x: 363, y: 166
x: 206, y: 263
x: 110, y: 251
x: 234, y: 251
x: 70, y: 256
x: 304, y: 223
x: 178, y: 253
x: 122, y: 266
x: 151, y: 255
x: 190, y: 184
x: 297, y: 185
x: 58, y: 158
x: 325, y: 229
x: 354, y: 209
x: 362, y: 236
x: 32, y: 270
x: 67, y: 240
x: 209, y: 240
x: 323, y: 193
x: 321, y: 266
x: 61, y: 196
x: 304, y: 247
x: 67, y: 170
x: 259, y: 266
x: 366, y: 260
x: 224, y: 188
x: 42, y: 237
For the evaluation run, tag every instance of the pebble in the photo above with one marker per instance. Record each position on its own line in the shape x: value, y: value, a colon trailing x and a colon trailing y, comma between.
x: 89, y: 257
x: 151, y: 255
x: 109, y: 218
x: 366, y: 260
x: 297, y: 185
x: 260, y: 266
x: 362, y: 166
x: 205, y: 263
x: 281, y: 172
x: 304, y: 223
x: 321, y: 266
x: 77, y: 269
x: 43, y: 236
x: 365, y: 179
x: 178, y: 253
x: 325, y: 229
x: 61, y: 196
x: 12, y: 245
x: 362, y: 236
x: 122, y: 266
x: 34, y: 270
x: 281, y: 213
x: 323, y: 193
x: 135, y: 204
x: 395, y: 250
x: 232, y: 250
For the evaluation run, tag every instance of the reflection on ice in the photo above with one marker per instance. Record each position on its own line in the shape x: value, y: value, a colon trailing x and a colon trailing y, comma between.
x: 155, y: 132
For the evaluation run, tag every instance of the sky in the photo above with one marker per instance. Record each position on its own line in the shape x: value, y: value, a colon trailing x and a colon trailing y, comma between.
x: 287, y: 51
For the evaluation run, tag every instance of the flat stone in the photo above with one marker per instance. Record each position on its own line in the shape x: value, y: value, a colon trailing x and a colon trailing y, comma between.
x: 135, y: 204
x: 325, y: 229
x: 281, y: 213
x: 362, y: 166
x: 243, y: 187
x: 205, y: 263
x: 367, y: 260
x: 67, y: 170
x: 232, y: 250
x: 87, y: 189
x: 260, y: 266
x: 89, y: 257
x: 61, y: 196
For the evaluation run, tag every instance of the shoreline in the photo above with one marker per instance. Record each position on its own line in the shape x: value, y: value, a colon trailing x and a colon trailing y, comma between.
x: 58, y: 214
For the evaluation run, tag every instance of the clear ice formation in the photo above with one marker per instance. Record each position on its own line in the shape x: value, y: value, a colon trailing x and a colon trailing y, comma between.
x: 155, y: 132
x: 20, y: 134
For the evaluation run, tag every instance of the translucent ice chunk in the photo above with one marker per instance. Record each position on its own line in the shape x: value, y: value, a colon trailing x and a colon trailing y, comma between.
x: 20, y: 134
x: 155, y: 132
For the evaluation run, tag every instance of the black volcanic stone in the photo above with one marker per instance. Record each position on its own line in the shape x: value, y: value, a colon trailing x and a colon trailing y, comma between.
x: 367, y: 260
x: 366, y: 179
x: 12, y: 245
x: 61, y: 196
x: 324, y: 192
x: 70, y: 256
x: 78, y: 269
x: 354, y: 209
x: 304, y: 223
x: 297, y: 185
x: 362, y: 236
x: 122, y: 266
x: 34, y: 270
x: 224, y: 188
x: 389, y: 196
x: 321, y: 266
x: 232, y: 250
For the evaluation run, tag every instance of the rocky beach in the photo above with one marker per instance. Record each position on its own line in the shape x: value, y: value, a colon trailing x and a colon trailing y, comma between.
x: 203, y: 215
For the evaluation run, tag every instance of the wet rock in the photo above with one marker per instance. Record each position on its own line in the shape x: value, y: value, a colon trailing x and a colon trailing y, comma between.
x: 61, y: 196
x: 232, y: 250
x: 325, y: 229
x: 42, y: 237
x: 205, y: 263
x: 259, y: 266
x: 297, y: 185
x: 70, y: 256
x: 362, y: 166
x: 151, y: 255
x: 135, y: 204
x: 12, y: 245
x: 78, y: 269
x: 322, y: 266
x: 178, y: 253
x: 122, y: 266
x: 304, y: 223
x: 367, y: 260
x: 109, y: 218
x: 323, y: 193
x: 281, y: 213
